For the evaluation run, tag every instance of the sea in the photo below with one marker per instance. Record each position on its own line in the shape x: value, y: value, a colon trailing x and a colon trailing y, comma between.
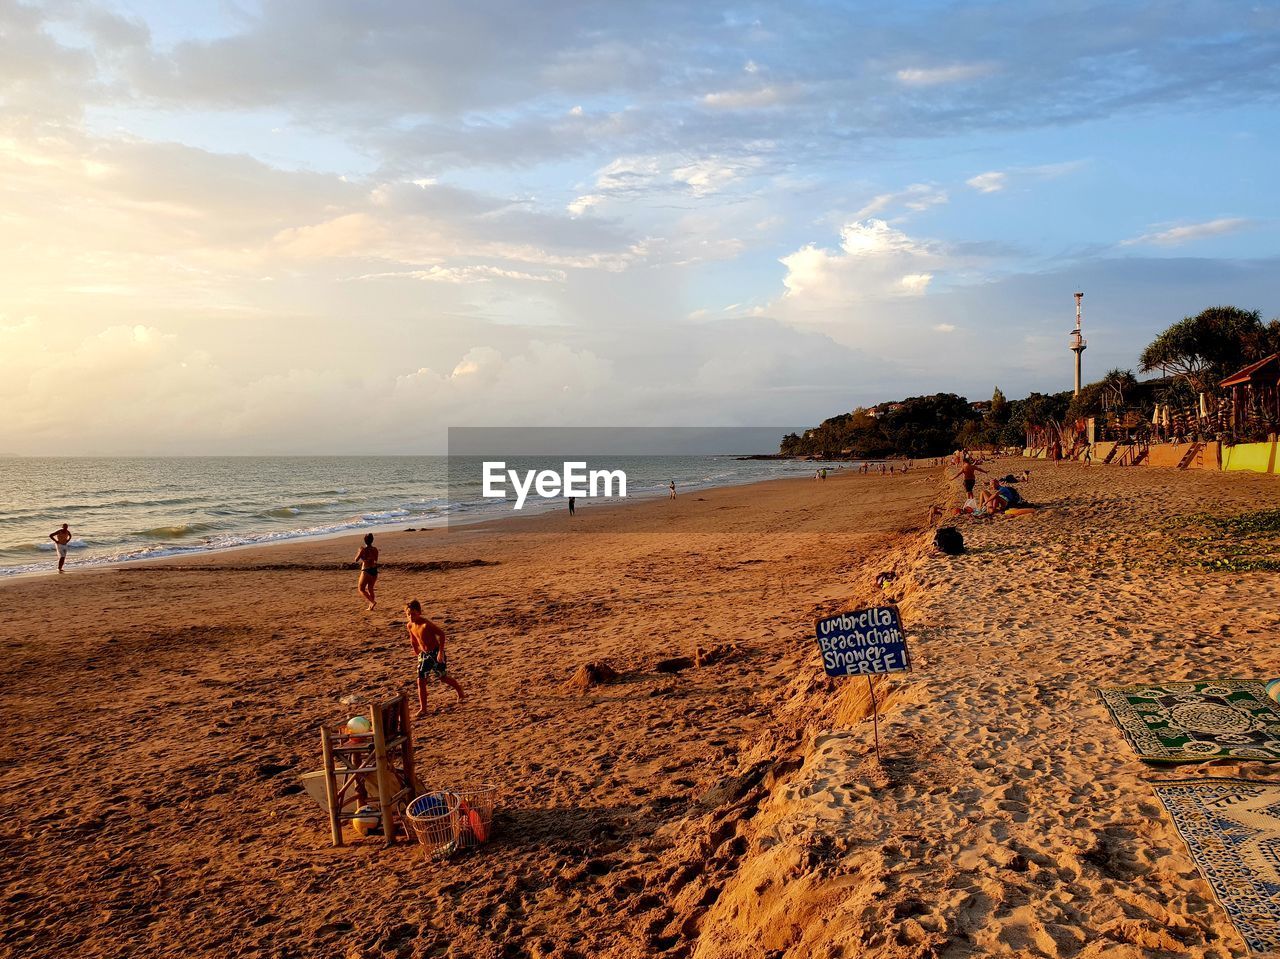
x: 121, y: 509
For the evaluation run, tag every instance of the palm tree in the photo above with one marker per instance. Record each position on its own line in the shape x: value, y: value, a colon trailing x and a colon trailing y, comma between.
x: 1115, y: 384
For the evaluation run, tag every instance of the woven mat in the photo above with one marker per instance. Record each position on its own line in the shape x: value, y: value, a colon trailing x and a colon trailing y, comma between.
x: 1197, y: 722
x: 1232, y: 828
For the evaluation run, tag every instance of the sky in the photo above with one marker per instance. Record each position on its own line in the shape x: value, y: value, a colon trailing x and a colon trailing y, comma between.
x: 312, y: 226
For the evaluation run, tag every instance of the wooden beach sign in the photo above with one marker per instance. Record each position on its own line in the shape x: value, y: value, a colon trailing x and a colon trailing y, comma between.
x: 866, y: 642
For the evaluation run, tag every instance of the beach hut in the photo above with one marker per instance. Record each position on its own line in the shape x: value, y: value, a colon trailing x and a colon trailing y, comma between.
x: 1255, y: 396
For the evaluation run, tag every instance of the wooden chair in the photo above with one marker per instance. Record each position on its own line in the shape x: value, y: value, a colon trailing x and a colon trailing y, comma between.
x: 382, y: 757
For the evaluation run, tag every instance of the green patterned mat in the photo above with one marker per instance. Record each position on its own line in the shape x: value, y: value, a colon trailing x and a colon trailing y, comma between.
x: 1197, y: 722
x: 1232, y: 829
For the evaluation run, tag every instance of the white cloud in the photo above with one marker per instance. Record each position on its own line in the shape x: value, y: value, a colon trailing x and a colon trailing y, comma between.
x: 1187, y: 233
x: 950, y: 73
x: 584, y: 203
x: 916, y: 198
x: 874, y: 261
x: 992, y: 182
x: 758, y: 98
x: 996, y: 180
x: 707, y: 175
x: 466, y: 274
x: 944, y: 327
x: 699, y: 176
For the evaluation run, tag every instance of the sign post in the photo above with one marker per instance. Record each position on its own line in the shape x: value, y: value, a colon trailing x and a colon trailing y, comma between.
x: 867, y: 642
x: 875, y: 716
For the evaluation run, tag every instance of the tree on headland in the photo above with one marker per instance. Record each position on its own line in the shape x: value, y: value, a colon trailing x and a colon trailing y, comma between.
x: 916, y: 426
x: 1205, y: 348
x: 998, y: 411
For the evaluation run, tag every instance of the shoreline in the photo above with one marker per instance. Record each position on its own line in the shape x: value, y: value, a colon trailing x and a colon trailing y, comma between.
x: 448, y: 522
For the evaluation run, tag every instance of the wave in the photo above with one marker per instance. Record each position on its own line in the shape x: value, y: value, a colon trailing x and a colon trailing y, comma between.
x: 384, y: 514
x: 173, y: 532
x: 41, y: 547
x: 305, y: 506
x: 27, y: 548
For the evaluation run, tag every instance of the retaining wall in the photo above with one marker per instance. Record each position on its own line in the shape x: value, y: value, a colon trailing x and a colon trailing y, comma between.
x: 1254, y: 457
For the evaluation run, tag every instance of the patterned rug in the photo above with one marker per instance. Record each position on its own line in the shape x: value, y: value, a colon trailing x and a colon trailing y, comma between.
x: 1196, y: 722
x: 1232, y: 828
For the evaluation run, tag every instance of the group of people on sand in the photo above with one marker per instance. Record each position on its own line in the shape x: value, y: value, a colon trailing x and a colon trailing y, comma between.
x: 1000, y: 495
x: 425, y: 637
x: 883, y: 468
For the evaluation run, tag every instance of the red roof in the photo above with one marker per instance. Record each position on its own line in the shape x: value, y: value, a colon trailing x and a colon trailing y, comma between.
x: 1247, y: 374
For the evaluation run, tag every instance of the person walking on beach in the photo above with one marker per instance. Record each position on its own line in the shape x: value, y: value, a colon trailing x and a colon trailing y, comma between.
x: 967, y: 471
x: 428, y: 642
x: 61, y: 537
x: 572, y: 501
x: 368, y: 579
x: 672, y: 487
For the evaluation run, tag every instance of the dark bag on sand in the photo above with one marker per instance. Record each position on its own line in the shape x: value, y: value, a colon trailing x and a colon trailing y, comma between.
x: 949, y: 540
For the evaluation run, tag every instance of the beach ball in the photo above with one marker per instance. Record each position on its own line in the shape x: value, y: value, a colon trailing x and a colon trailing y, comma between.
x: 358, y: 724
x: 368, y: 821
x: 1273, y: 689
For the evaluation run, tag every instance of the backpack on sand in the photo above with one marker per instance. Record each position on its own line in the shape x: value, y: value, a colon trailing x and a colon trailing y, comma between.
x: 949, y: 540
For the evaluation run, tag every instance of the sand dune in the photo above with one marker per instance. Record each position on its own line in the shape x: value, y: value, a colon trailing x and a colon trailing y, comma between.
x: 1010, y: 817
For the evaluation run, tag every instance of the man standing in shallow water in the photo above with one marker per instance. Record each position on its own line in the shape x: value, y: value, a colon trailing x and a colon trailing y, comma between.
x: 61, y: 537
x: 428, y: 642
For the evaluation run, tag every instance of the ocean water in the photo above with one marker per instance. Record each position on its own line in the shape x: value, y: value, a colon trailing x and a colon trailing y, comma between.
x: 122, y: 509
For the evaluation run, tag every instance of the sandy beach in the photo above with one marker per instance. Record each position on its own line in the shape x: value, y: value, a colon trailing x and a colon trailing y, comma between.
x: 159, y: 716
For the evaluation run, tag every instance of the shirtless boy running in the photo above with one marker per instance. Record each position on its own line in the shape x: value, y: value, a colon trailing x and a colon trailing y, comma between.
x: 428, y: 643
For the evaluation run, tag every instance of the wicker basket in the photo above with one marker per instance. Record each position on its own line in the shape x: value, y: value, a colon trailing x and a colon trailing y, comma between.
x: 434, y: 818
x: 475, y: 814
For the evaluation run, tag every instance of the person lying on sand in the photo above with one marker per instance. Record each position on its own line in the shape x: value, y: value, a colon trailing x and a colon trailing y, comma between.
x: 428, y: 642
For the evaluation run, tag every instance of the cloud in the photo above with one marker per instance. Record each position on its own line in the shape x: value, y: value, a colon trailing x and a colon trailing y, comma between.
x: 998, y: 180
x: 584, y: 203
x: 915, y: 198
x: 992, y: 182
x: 457, y: 196
x: 752, y: 99
x: 1190, y: 232
x: 951, y: 73
x: 456, y: 84
x: 944, y: 327
x: 874, y: 261
x: 635, y: 177
x: 467, y: 274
